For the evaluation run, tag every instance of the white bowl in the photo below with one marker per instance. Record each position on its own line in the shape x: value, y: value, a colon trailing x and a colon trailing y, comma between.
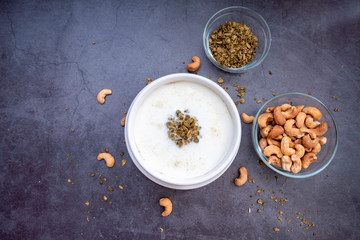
x: 182, y: 182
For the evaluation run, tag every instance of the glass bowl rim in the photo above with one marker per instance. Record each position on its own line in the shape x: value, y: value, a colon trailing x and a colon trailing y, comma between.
x: 247, y: 66
x: 262, y: 157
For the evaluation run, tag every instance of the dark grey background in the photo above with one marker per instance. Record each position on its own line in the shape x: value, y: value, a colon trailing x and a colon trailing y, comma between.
x: 48, y: 63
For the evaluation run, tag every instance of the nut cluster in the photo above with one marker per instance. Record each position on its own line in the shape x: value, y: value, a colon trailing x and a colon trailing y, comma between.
x: 291, y: 136
x: 183, y: 128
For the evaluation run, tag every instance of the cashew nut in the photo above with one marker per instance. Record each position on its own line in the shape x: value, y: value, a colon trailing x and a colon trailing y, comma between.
x: 279, y: 118
x: 292, y: 131
x: 308, y: 159
x: 300, y: 119
x: 263, y: 144
x: 309, y: 142
x: 274, y: 161
x: 102, y: 94
x: 300, y: 107
x: 322, y: 140
x: 241, y: 180
x: 246, y: 118
x: 290, y: 113
x: 271, y: 150
x: 109, y: 159
x: 285, y: 107
x: 300, y: 150
x: 308, y: 150
x: 298, y: 141
x: 319, y: 131
x: 271, y: 141
x: 286, y: 163
x: 192, y: 67
x: 314, y: 112
x: 310, y: 123
x: 276, y: 131
x: 285, y: 146
x: 264, y: 132
x: 296, y: 166
x: 264, y: 119
x: 269, y: 109
x: 316, y: 149
x: 166, y: 203
x: 123, y: 120
x: 311, y: 133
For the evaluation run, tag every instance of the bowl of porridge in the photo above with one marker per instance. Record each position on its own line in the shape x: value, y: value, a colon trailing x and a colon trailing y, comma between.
x: 183, y: 131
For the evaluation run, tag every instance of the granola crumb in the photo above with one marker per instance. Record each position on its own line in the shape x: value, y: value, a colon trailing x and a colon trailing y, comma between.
x: 161, y: 229
x: 121, y: 187
x: 276, y: 229
x: 87, y: 203
x: 270, y: 72
x: 123, y: 162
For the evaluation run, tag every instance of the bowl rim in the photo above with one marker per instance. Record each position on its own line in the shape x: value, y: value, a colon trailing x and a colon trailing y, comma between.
x: 184, y: 183
x: 262, y: 157
x: 247, y: 66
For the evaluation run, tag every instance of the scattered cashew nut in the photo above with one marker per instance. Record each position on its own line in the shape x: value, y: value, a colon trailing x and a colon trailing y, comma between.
x: 109, y: 159
x: 246, y: 118
x: 166, y: 203
x: 123, y: 120
x: 192, y: 67
x: 102, y: 94
x: 241, y: 180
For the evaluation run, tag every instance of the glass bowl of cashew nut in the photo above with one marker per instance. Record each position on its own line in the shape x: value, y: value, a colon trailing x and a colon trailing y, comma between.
x: 295, y: 135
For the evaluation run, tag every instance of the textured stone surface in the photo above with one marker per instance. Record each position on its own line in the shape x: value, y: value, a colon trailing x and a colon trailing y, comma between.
x: 48, y: 64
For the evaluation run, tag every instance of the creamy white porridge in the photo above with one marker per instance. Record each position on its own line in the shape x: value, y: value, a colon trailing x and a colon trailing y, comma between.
x: 160, y: 153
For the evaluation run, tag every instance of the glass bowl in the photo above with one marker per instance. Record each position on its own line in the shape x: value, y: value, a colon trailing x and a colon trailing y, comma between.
x: 241, y: 15
x: 328, y: 150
